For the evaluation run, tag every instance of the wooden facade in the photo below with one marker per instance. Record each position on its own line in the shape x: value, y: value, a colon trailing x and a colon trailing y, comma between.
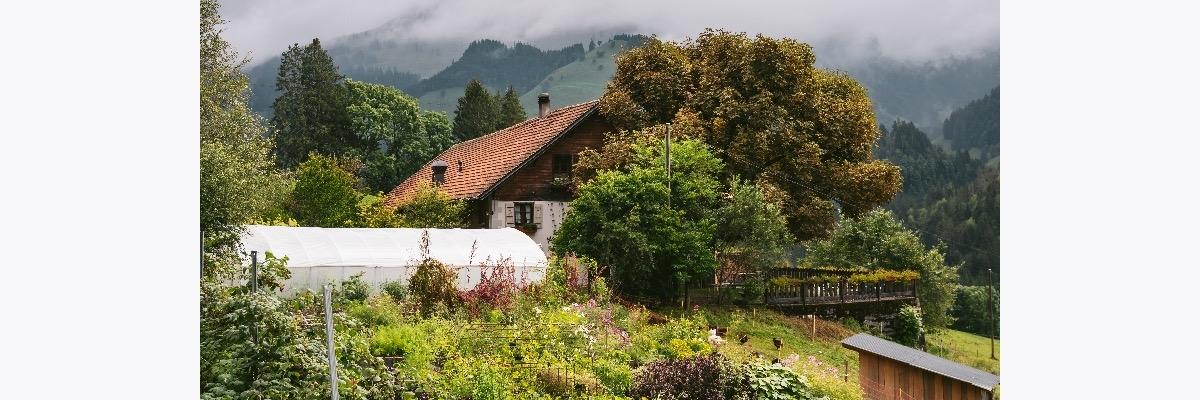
x: 884, y: 379
x: 891, y: 371
x: 535, y: 180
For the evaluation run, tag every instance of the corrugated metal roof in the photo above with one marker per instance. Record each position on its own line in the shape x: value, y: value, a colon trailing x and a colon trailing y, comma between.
x: 922, y: 360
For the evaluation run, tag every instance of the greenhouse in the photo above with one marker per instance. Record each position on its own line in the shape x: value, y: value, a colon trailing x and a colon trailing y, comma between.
x: 316, y: 256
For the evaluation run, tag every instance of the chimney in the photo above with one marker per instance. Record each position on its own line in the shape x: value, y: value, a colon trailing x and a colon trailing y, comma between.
x: 543, y: 104
x: 439, y: 172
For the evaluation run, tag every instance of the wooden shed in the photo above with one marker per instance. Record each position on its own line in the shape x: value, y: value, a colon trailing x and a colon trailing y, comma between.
x: 889, y: 370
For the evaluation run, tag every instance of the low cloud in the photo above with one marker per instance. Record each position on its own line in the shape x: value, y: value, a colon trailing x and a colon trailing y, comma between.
x: 913, y: 30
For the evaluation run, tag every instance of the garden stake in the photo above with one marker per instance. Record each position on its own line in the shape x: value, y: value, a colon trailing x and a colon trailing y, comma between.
x: 333, y: 390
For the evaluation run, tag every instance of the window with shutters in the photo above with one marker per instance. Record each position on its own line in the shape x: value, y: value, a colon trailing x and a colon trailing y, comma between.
x: 523, y: 214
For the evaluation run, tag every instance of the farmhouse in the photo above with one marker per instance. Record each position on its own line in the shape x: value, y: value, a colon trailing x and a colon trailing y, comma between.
x: 517, y: 177
x: 317, y: 256
x: 888, y: 370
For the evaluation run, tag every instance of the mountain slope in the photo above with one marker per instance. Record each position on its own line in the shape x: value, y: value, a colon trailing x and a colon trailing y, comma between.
x: 582, y: 80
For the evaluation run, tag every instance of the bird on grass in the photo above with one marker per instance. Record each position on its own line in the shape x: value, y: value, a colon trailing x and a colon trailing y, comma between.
x: 743, y: 339
x: 777, y: 342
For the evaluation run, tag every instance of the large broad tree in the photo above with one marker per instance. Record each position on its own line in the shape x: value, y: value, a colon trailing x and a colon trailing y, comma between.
x: 310, y: 112
x: 238, y: 180
x: 326, y: 193
x: 770, y: 114
x: 876, y: 240
x: 621, y: 218
x: 511, y: 111
x: 406, y: 136
x: 476, y: 114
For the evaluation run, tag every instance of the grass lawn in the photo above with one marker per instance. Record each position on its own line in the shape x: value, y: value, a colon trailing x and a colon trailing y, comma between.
x: 761, y: 325
x: 965, y: 348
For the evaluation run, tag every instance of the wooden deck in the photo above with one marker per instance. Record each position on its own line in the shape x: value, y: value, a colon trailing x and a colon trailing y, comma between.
x: 840, y: 292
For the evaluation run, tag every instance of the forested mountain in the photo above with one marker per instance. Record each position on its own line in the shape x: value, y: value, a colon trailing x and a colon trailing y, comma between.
x: 263, y: 91
x: 496, y: 65
x: 976, y: 126
x: 948, y: 196
x: 584, y: 79
x: 924, y: 93
x: 928, y: 170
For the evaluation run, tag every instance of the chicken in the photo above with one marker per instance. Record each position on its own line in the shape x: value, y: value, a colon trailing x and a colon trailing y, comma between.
x: 777, y: 342
x: 714, y: 339
x: 743, y: 339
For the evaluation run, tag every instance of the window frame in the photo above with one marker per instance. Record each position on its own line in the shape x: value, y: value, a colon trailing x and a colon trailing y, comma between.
x: 521, y: 210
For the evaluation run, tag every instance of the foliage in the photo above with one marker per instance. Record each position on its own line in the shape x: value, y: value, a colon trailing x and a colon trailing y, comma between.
x: 476, y: 114
x: 510, y: 110
x: 494, y: 291
x: 701, y: 377
x: 875, y: 276
x: 949, y: 197
x: 751, y: 236
x: 826, y: 380
x: 877, y: 241
x: 773, y: 115
x: 432, y: 285
x: 775, y: 382
x: 395, y: 289
x: 310, y: 112
x: 965, y: 348
x: 971, y: 312
x: 405, y: 137
x: 908, y: 328
x: 431, y: 208
x: 927, y: 169
x: 238, y: 180
x: 969, y: 216
x: 325, y: 193
x: 374, y: 212
x: 621, y: 219
x: 354, y: 289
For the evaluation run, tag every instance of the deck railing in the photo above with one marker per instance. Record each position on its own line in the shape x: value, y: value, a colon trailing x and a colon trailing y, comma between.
x: 837, y: 291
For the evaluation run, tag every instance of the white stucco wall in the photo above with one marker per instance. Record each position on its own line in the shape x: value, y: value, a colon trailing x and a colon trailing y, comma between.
x: 552, y: 217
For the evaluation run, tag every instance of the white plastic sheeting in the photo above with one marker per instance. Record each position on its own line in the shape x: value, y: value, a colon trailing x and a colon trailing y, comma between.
x: 317, y: 256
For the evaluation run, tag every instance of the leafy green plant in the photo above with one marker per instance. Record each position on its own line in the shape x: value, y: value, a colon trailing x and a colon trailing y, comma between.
x: 355, y: 289
x: 775, y: 382
x: 431, y: 285
x: 702, y: 377
x: 395, y: 289
x: 908, y: 328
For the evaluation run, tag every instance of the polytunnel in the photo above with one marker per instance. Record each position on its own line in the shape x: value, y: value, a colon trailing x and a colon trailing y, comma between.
x: 316, y: 256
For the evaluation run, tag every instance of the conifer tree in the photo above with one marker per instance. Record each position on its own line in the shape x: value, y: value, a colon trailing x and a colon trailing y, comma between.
x: 476, y: 112
x: 310, y: 112
x: 511, y: 111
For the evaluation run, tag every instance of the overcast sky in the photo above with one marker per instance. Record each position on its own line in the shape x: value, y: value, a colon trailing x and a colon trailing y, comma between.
x: 914, y: 30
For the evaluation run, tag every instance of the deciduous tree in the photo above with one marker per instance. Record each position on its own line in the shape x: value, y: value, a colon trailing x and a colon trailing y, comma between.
x: 238, y: 180
x: 876, y: 240
x: 325, y: 193
x: 770, y: 114
x: 406, y: 136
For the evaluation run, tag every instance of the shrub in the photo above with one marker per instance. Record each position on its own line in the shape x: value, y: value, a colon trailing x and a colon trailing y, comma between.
x: 395, y: 289
x: 700, y: 377
x: 355, y: 289
x: 908, y: 327
x: 431, y: 285
x: 403, y: 341
x: 750, y: 292
x: 494, y: 291
x: 772, y: 382
x: 376, y: 311
x: 970, y: 310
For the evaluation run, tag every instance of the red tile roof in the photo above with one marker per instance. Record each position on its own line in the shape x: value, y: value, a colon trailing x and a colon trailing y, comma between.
x: 488, y: 159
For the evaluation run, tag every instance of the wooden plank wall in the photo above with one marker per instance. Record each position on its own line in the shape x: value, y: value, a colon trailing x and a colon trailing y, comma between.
x: 885, y: 379
x: 533, y: 182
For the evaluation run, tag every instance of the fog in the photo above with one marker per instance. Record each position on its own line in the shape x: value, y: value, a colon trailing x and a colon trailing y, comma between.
x: 911, y: 30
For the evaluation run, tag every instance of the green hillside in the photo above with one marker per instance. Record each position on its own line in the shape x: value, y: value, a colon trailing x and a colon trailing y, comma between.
x: 580, y: 81
x: 444, y: 100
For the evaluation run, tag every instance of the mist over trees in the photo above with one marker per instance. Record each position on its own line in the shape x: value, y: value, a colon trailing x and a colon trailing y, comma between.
x: 976, y: 126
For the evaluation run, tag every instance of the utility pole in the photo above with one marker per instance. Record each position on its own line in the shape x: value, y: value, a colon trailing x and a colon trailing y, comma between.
x: 668, y: 160
x: 333, y: 386
x: 991, y: 316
